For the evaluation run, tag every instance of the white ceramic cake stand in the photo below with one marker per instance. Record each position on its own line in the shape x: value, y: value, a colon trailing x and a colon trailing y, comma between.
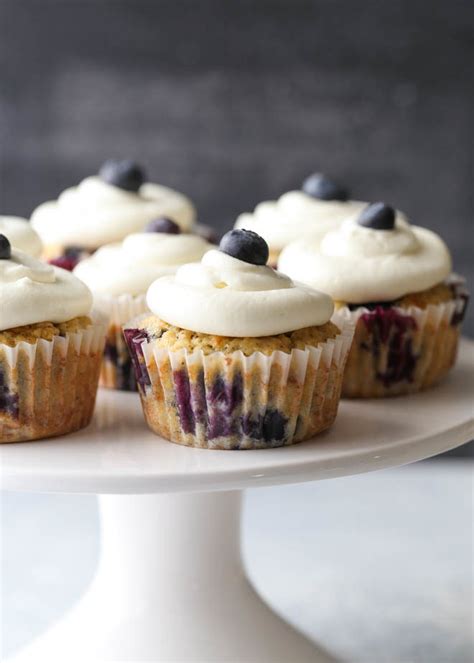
x: 170, y: 585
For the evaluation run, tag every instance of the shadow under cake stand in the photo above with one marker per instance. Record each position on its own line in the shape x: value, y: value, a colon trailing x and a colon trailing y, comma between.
x: 170, y: 584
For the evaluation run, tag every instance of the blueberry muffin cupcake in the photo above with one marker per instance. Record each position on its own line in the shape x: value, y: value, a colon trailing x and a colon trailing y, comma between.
x: 119, y: 276
x: 104, y: 209
x: 50, y: 349
x: 235, y: 355
x: 21, y: 235
x: 394, y: 281
x: 320, y: 206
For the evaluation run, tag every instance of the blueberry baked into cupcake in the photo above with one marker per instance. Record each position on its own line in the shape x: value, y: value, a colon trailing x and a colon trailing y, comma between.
x: 21, y: 235
x: 236, y: 355
x: 394, y: 281
x: 320, y: 206
x: 50, y: 349
x: 119, y: 276
x: 103, y: 209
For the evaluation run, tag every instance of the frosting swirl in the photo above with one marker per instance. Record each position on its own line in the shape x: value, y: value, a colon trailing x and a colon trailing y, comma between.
x: 21, y: 235
x: 132, y: 265
x: 96, y: 213
x: 32, y: 291
x: 225, y: 296
x: 295, y: 214
x: 357, y: 264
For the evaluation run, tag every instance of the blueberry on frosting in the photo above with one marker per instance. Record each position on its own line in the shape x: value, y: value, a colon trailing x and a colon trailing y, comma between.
x: 377, y: 216
x: 245, y: 245
x: 124, y: 174
x: 5, y: 248
x: 320, y: 186
x: 163, y: 225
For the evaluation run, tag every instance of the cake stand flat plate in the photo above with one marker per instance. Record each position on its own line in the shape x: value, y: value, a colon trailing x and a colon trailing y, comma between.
x: 118, y: 454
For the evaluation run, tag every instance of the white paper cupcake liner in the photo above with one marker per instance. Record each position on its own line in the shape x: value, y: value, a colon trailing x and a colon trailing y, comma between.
x: 117, y: 370
x: 48, y: 388
x: 122, y: 308
x: 220, y: 401
x: 400, y: 350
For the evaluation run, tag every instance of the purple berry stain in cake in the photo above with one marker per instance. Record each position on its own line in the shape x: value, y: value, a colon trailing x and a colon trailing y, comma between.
x: 8, y: 401
x: 461, y: 294
x: 64, y: 262
x: 134, y: 339
x: 183, y: 400
x: 69, y: 259
x: 389, y: 327
x: 123, y: 366
x: 217, y: 410
x: 222, y: 400
x: 110, y: 352
x: 270, y: 426
x: 199, y: 402
x: 213, y: 408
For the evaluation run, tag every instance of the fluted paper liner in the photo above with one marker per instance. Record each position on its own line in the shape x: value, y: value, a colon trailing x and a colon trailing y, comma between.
x: 48, y: 388
x: 220, y: 401
x: 117, y: 370
x: 401, y: 350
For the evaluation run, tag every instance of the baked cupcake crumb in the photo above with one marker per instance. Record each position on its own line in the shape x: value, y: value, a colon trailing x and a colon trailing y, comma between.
x: 438, y: 294
x: 174, y: 338
x: 43, y: 330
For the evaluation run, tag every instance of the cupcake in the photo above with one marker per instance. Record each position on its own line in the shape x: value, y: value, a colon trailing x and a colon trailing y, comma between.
x: 21, y: 235
x: 394, y: 281
x: 50, y: 349
x: 104, y: 209
x: 235, y: 355
x: 320, y: 206
x: 119, y: 276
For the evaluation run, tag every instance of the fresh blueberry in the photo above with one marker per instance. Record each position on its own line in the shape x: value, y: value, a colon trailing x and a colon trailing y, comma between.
x: 124, y: 174
x: 163, y: 225
x: 5, y: 248
x: 245, y: 245
x: 320, y: 186
x: 377, y: 216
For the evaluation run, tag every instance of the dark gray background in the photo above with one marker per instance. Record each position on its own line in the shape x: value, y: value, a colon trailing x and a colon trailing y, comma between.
x: 235, y: 102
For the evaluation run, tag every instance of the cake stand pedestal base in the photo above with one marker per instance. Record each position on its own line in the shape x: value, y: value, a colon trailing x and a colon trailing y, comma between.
x: 170, y: 584
x: 170, y: 587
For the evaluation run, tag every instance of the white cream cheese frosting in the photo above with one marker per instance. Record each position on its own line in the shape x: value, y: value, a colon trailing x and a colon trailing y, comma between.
x: 21, y: 235
x: 32, y: 291
x: 294, y: 215
x: 357, y: 264
x: 131, y: 266
x: 225, y: 296
x: 95, y: 213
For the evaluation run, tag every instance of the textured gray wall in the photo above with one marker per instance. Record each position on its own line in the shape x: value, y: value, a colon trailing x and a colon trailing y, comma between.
x: 235, y: 102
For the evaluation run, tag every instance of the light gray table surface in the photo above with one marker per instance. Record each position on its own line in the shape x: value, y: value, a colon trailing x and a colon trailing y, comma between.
x: 377, y: 568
